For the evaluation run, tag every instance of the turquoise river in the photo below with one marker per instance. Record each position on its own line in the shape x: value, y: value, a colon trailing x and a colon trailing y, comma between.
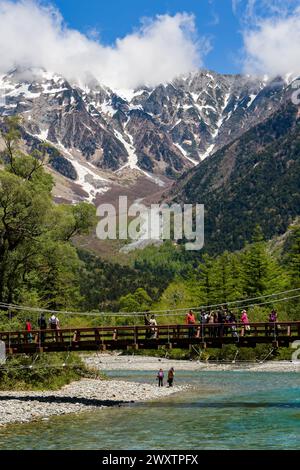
x: 222, y: 410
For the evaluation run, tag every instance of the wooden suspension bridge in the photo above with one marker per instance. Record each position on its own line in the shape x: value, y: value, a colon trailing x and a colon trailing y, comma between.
x: 148, y: 337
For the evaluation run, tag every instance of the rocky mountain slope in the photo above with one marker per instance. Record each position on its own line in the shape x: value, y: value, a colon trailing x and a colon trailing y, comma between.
x: 101, y: 133
x: 253, y: 180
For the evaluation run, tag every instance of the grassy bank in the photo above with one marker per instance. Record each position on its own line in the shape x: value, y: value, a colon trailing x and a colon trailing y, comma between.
x: 43, y: 372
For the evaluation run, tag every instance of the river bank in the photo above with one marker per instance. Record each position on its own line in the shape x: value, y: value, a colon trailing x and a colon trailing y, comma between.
x: 84, y: 395
x: 91, y: 394
x: 115, y: 361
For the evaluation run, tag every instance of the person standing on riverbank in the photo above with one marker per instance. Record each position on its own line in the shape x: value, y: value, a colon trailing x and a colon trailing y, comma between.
x: 160, y: 378
x: 171, y: 374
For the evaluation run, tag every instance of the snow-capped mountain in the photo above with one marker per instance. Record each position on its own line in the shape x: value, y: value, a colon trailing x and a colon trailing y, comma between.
x: 165, y: 130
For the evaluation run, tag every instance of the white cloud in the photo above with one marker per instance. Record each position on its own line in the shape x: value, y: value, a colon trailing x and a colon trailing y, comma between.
x: 272, y: 47
x: 271, y: 34
x: 34, y: 35
x: 250, y: 12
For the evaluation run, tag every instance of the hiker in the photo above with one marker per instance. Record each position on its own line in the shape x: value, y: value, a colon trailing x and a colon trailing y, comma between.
x: 54, y: 322
x: 210, y: 321
x: 28, y: 328
x: 54, y: 325
x: 190, y: 320
x: 227, y: 314
x: 153, y: 324
x: 221, y: 321
x: 160, y: 378
x: 273, y: 327
x: 171, y: 374
x: 245, y: 321
x: 147, y: 324
x: 234, y: 331
x: 203, y: 318
x: 215, y: 317
x: 43, y: 326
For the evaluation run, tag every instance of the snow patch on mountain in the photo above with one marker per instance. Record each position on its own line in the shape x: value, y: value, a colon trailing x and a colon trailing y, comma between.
x: 88, y: 179
x: 132, y: 157
x: 185, y: 154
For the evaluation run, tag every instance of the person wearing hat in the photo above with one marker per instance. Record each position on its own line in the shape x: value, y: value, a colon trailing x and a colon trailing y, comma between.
x: 245, y: 321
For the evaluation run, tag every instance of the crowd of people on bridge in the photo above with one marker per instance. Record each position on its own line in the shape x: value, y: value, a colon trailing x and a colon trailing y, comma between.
x: 212, y: 323
x: 226, y: 322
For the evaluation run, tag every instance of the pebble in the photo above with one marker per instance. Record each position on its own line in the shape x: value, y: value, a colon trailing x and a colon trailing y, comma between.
x: 84, y: 395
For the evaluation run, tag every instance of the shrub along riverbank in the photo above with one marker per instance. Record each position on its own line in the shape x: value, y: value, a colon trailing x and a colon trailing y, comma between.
x: 43, y: 372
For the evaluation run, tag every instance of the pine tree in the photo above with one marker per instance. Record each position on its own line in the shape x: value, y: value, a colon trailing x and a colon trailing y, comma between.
x: 293, y: 258
x: 261, y: 273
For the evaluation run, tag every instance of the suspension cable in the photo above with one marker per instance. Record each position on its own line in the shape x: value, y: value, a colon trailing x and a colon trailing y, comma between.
x: 158, y: 312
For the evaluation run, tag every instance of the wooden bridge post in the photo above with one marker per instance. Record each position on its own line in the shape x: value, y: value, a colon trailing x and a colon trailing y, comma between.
x: 135, y: 335
x: 76, y: 336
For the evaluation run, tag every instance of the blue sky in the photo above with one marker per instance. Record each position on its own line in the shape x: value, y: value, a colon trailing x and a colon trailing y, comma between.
x: 106, y: 40
x: 116, y: 18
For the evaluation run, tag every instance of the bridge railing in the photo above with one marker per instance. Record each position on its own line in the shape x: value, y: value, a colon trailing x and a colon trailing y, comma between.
x: 142, y: 333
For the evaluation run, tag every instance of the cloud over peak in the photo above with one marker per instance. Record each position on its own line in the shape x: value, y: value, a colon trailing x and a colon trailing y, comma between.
x: 34, y: 35
x: 271, y: 33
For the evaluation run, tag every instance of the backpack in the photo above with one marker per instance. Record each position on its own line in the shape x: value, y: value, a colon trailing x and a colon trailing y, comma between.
x: 160, y: 374
x: 53, y: 320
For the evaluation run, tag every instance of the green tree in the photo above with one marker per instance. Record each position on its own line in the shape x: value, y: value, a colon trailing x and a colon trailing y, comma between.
x: 261, y: 272
x: 140, y: 301
x: 293, y: 257
x: 36, y: 252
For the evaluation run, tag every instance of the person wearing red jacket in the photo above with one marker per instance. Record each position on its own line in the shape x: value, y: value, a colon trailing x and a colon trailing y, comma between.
x: 190, y: 320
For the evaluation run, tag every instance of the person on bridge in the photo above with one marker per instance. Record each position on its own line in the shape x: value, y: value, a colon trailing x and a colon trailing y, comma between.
x: 245, y: 321
x: 153, y: 324
x: 273, y: 318
x: 234, y: 331
x: 190, y: 320
x: 147, y: 323
x: 54, y: 325
x: 43, y: 326
x: 28, y: 328
x: 221, y: 322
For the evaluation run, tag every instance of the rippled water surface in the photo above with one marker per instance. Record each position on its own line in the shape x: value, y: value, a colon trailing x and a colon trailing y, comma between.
x: 224, y: 410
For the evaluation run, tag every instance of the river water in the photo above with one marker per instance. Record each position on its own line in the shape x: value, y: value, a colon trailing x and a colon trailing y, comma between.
x: 223, y: 410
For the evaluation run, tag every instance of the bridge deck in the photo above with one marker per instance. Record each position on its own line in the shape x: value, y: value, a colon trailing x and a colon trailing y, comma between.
x: 145, y: 337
